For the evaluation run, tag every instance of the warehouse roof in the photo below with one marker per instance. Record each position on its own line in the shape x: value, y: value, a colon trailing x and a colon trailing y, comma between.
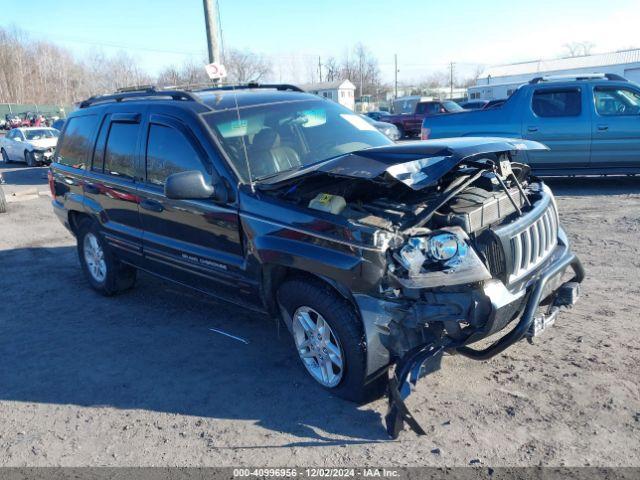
x: 568, y: 63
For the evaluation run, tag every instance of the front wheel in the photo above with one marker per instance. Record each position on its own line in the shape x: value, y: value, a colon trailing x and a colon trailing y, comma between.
x: 3, y: 201
x: 29, y: 159
x: 5, y: 157
x: 329, y: 338
x: 105, y: 273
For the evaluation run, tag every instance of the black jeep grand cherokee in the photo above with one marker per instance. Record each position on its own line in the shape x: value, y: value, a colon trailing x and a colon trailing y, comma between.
x: 373, y: 253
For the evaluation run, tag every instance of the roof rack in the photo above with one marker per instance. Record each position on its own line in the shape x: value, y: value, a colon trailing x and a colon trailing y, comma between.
x: 254, y: 85
x: 138, y: 92
x: 577, y: 77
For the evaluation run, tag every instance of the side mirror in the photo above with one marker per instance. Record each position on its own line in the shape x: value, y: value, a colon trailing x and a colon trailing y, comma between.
x: 189, y: 185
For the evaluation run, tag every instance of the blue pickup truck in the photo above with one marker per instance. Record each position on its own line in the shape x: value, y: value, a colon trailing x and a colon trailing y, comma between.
x: 591, y: 124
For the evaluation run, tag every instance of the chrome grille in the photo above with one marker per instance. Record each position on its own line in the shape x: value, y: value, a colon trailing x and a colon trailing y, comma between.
x: 532, y: 245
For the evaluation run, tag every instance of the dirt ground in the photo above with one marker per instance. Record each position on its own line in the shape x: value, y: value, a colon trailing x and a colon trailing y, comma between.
x: 139, y: 379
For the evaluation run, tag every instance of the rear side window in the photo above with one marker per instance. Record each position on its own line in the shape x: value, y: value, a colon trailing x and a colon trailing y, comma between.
x: 169, y: 152
x: 76, y: 144
x: 557, y: 103
x: 120, y: 151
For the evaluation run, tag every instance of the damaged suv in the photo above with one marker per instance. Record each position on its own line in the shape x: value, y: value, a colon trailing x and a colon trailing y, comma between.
x: 375, y: 254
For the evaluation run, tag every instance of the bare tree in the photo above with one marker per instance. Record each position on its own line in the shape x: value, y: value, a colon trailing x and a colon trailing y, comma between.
x: 245, y: 66
x: 332, y: 70
x: 579, y: 49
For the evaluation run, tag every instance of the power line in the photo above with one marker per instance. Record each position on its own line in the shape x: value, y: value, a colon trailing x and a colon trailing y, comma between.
x: 65, y: 38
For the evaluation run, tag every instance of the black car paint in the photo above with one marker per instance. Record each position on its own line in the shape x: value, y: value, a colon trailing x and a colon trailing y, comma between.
x: 239, y: 249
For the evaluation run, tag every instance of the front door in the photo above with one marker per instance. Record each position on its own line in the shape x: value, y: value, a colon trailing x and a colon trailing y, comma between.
x: 195, y: 242
x: 616, y: 127
x: 555, y: 117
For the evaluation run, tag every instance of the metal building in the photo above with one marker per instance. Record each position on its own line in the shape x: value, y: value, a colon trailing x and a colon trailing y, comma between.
x: 500, y: 81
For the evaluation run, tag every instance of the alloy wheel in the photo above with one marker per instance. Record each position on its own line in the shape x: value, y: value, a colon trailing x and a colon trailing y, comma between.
x: 94, y: 258
x: 318, y: 346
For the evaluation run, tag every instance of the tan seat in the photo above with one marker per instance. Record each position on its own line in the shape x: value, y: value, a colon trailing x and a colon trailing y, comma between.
x: 268, y: 156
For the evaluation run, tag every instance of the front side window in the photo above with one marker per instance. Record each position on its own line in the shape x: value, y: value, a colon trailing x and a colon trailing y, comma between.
x: 617, y: 101
x: 76, y: 146
x: 120, y: 150
x: 168, y: 152
x: 557, y: 102
x: 264, y: 140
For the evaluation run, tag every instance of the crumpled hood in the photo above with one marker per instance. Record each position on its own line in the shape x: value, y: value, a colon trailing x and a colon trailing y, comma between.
x: 43, y: 142
x: 422, y: 163
x: 417, y: 164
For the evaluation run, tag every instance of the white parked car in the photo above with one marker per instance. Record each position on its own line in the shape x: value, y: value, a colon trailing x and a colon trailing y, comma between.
x: 32, y: 145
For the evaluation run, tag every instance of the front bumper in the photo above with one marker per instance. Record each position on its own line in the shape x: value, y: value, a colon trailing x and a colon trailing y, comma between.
x: 548, y: 283
x: 495, y: 305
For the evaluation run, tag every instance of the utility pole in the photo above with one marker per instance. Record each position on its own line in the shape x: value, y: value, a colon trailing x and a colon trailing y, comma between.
x: 319, y: 69
x: 451, y: 65
x: 211, y: 22
x: 395, y: 73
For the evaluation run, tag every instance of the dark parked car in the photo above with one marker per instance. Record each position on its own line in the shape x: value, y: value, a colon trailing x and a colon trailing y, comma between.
x: 58, y: 124
x: 474, y: 104
x: 378, y: 115
x: 372, y: 253
x: 494, y: 104
x: 388, y: 129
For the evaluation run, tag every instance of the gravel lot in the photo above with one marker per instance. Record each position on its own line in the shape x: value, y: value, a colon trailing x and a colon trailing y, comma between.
x: 139, y: 379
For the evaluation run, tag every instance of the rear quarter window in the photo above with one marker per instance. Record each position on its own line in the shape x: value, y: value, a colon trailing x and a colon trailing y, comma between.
x: 76, y: 143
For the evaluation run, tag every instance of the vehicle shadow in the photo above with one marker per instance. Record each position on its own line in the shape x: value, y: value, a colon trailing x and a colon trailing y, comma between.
x: 151, y: 348
x: 589, y: 186
x: 19, y: 174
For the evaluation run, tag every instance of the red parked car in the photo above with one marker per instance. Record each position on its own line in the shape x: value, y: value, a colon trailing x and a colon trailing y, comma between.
x: 409, y: 123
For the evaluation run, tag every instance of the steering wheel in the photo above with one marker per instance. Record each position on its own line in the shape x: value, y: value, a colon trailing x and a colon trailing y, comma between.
x: 622, y: 108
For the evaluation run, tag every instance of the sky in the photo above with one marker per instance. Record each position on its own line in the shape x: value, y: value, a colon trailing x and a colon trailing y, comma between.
x: 425, y: 34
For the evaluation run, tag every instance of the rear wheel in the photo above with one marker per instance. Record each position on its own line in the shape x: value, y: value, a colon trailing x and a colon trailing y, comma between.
x: 401, y: 131
x: 329, y: 338
x: 105, y: 273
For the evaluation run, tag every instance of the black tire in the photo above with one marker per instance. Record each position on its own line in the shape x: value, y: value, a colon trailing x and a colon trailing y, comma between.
x: 119, y: 277
x: 347, y: 327
x: 401, y: 131
x: 29, y: 159
x: 5, y: 157
x: 3, y: 201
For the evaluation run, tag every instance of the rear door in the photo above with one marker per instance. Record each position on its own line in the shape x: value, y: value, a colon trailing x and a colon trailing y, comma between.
x: 15, y: 145
x: 7, y: 144
x: 557, y: 117
x: 616, y: 127
x: 195, y: 242
x: 111, y: 191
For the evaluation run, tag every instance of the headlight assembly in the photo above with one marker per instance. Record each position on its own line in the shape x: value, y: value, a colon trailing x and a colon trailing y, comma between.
x: 439, y: 259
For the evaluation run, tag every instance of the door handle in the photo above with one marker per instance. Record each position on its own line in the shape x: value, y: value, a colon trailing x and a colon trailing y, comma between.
x: 603, y: 128
x: 532, y: 129
x: 152, y: 205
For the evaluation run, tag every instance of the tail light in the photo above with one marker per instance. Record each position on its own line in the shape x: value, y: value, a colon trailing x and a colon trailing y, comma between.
x: 52, y: 185
x: 424, y: 133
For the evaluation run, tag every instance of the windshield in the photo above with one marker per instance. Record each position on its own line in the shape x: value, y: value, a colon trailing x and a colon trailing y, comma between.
x: 290, y: 135
x: 452, y: 106
x: 40, y: 133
